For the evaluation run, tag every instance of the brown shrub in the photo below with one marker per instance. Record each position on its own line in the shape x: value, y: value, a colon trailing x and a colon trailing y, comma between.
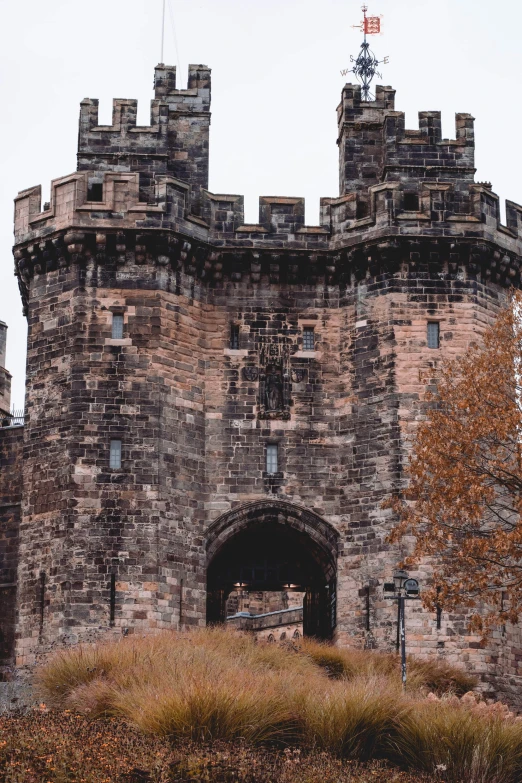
x: 66, y: 748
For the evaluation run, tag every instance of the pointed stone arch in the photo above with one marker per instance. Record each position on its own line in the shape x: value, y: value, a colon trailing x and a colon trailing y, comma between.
x: 275, y: 527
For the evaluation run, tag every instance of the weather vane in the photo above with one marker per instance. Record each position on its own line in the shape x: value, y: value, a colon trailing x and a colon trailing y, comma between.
x: 365, y: 66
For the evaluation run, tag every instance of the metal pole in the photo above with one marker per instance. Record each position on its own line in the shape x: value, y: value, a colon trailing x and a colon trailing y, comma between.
x: 366, y: 84
x: 403, y: 641
x: 112, y: 600
x: 398, y: 642
x: 163, y: 32
x: 42, y: 604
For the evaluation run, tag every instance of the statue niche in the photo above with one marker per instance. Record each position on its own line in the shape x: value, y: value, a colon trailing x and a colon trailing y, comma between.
x: 273, y: 389
x: 274, y: 386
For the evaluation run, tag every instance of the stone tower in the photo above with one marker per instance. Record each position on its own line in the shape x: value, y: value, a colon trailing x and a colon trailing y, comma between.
x: 5, y: 377
x: 213, y: 404
x: 11, y: 438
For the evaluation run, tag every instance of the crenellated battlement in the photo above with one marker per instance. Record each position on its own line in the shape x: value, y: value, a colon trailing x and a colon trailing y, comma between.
x: 430, y: 130
x: 398, y: 207
x: 395, y: 182
x: 176, y: 142
x: 197, y: 95
x: 433, y: 174
x: 195, y: 99
x: 124, y: 121
x: 125, y: 236
x: 375, y: 146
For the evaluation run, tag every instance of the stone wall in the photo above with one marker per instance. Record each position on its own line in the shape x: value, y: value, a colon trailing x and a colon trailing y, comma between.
x: 11, y: 444
x: 130, y: 526
x: 187, y: 409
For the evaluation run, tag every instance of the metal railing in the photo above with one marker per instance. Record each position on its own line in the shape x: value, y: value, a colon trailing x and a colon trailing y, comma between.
x: 14, y: 419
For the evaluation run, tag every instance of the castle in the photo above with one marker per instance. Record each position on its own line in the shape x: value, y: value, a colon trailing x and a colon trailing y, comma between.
x: 216, y: 406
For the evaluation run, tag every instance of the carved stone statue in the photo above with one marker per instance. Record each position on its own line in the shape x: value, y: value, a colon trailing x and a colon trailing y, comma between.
x: 273, y: 389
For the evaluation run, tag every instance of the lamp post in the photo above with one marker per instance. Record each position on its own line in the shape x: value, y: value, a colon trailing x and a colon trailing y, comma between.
x: 403, y: 588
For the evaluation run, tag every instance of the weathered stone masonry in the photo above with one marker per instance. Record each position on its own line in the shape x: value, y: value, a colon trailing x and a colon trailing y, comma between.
x: 135, y: 232
x: 10, y: 500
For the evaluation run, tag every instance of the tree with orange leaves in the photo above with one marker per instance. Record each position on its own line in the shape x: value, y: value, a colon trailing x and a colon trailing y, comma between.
x: 463, y: 499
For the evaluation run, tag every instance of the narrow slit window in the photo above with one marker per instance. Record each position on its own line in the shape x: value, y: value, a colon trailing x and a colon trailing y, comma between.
x: 361, y: 210
x: 433, y: 334
x: 272, y: 458
x: 308, y: 338
x: 411, y: 202
x: 95, y: 191
x: 234, y: 337
x: 438, y: 607
x: 117, y: 327
x: 115, y: 454
x: 144, y: 187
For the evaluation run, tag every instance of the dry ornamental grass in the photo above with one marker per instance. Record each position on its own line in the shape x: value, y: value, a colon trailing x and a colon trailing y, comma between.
x: 213, y: 685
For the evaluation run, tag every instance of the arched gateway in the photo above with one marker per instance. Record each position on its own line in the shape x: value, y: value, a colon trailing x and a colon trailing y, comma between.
x: 273, y: 546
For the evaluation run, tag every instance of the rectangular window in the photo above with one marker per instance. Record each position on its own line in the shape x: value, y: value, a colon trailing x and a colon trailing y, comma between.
x: 433, y: 334
x: 272, y: 461
x: 308, y: 338
x: 144, y: 187
x: 362, y: 210
x: 95, y: 191
x: 234, y: 337
x: 411, y: 202
x: 117, y: 327
x: 115, y: 455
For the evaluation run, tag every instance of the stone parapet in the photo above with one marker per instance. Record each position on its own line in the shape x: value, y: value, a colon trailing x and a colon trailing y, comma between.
x: 283, y: 620
x: 281, y: 222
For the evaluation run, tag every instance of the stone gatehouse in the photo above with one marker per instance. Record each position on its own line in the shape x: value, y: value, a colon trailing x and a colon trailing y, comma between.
x: 215, y: 406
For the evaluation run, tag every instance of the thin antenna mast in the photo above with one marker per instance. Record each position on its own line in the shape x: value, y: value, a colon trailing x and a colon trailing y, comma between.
x: 171, y: 14
x: 163, y: 32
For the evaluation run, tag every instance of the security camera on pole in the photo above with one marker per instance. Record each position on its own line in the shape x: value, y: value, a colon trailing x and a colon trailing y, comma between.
x: 404, y: 589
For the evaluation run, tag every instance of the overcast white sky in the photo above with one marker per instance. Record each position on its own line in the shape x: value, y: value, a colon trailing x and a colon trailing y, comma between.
x: 275, y: 87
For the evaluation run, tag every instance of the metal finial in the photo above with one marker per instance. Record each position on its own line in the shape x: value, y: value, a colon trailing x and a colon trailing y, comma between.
x: 365, y: 65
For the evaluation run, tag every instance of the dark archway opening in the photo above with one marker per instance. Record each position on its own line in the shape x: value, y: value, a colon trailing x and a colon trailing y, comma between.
x: 268, y: 556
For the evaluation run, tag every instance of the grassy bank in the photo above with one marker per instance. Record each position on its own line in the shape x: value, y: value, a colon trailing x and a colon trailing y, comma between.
x: 212, y: 686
